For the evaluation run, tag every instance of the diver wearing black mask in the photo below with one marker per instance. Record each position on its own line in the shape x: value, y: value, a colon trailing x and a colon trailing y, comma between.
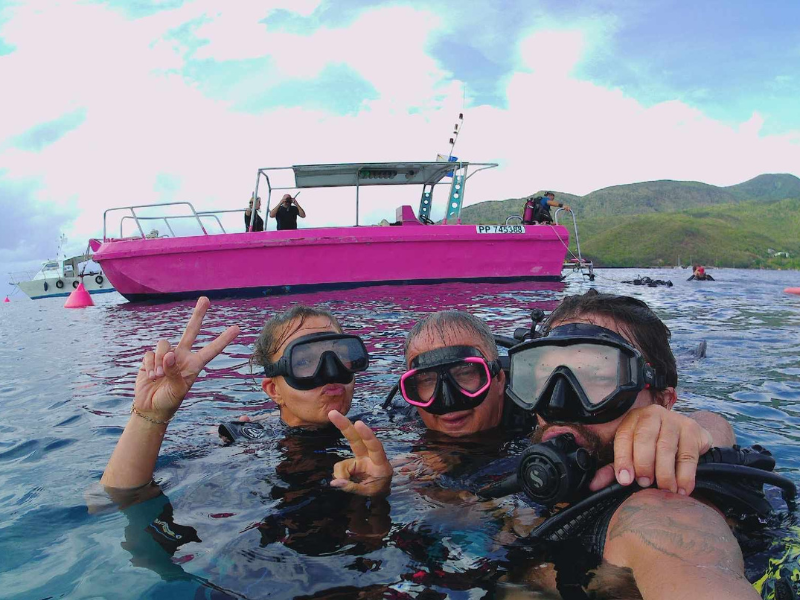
x: 450, y: 379
x: 580, y: 373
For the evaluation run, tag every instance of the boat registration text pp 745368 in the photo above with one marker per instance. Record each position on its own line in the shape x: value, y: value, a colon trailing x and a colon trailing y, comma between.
x: 500, y: 228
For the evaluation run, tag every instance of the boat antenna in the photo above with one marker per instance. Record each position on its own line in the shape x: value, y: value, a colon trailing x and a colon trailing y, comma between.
x: 456, y: 130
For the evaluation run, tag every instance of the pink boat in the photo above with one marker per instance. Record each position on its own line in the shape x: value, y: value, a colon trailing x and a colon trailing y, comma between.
x: 413, y: 251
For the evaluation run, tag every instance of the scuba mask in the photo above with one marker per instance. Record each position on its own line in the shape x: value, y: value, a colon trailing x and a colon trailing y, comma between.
x: 579, y: 373
x: 449, y: 379
x: 317, y: 359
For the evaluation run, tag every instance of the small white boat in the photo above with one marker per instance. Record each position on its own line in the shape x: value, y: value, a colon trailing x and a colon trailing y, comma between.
x: 60, y: 278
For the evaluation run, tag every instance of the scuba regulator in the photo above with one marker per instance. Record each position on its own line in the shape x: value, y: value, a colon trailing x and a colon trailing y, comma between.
x: 549, y: 473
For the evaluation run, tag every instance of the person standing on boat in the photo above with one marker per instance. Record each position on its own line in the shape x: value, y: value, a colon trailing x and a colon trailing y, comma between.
x: 258, y: 222
x: 286, y: 212
x: 537, y: 210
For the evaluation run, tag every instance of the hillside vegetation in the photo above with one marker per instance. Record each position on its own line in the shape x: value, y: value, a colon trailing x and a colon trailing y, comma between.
x: 664, y: 222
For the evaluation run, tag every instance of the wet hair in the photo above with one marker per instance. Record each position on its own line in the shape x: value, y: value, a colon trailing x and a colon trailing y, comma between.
x: 444, y: 323
x: 647, y: 332
x: 276, y: 331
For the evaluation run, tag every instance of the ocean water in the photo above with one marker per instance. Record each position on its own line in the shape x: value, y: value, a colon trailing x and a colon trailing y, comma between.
x: 255, y: 520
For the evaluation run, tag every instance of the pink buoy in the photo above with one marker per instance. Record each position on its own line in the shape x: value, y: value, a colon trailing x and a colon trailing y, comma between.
x: 6, y: 300
x: 79, y: 298
x: 793, y: 290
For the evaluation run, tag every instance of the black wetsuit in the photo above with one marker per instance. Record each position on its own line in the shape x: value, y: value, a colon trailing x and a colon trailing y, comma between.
x: 286, y: 217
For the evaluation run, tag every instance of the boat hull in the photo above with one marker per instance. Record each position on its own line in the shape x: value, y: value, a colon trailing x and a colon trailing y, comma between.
x: 35, y: 289
x: 274, y: 262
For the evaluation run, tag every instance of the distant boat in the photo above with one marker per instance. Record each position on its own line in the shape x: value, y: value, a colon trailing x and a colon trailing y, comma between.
x: 60, y: 278
x: 414, y: 250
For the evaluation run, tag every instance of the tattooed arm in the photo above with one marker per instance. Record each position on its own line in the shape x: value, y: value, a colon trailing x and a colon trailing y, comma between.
x: 677, y: 548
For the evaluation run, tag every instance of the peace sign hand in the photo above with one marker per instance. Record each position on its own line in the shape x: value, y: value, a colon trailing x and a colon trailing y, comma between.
x: 167, y: 374
x: 369, y: 473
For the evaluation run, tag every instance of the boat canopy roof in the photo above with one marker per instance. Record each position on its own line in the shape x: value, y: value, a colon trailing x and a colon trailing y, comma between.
x: 362, y: 174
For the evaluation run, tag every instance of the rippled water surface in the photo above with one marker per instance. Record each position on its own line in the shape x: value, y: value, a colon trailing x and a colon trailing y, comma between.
x: 252, y: 518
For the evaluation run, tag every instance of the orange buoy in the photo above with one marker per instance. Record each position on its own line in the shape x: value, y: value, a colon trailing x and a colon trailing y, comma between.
x: 79, y: 298
x: 793, y: 290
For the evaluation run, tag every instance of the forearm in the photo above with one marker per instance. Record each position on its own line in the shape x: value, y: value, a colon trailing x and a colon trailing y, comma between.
x: 274, y: 211
x: 134, y: 459
x: 721, y: 431
x: 677, y: 548
x: 300, y: 212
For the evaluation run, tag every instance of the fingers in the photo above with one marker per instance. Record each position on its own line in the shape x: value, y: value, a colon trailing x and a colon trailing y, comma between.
x: 645, y: 447
x: 344, y: 425
x: 623, y: 449
x: 690, y: 448
x: 161, y: 349
x: 194, y: 324
x: 666, y: 451
x: 148, y: 364
x: 603, y: 478
x: 218, y: 345
x: 375, y: 449
x: 343, y: 470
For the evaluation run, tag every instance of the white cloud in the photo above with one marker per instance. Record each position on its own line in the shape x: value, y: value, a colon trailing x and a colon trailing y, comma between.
x: 144, y: 120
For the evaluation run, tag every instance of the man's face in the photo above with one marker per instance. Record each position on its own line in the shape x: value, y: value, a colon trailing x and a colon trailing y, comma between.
x: 598, y: 437
x: 464, y: 422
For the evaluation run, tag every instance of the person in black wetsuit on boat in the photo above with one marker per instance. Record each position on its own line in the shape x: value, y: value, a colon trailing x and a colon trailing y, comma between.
x: 539, y: 209
x: 258, y: 222
x: 286, y: 213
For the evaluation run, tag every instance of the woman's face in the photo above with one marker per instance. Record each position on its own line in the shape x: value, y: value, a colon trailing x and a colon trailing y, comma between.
x: 301, y: 408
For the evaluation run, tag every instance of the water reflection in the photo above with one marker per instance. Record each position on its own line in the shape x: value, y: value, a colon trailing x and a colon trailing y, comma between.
x: 268, y: 523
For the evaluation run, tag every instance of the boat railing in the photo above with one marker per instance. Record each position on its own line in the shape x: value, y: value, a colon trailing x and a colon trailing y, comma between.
x: 137, y: 218
x: 514, y: 220
x: 578, y: 263
x: 167, y: 218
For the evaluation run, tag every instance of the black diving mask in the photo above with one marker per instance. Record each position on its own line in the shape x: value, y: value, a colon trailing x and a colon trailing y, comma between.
x: 448, y: 380
x: 579, y: 373
x: 317, y: 359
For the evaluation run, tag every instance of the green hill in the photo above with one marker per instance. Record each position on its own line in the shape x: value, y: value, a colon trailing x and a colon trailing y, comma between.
x: 729, y: 235
x: 767, y: 187
x: 660, y: 222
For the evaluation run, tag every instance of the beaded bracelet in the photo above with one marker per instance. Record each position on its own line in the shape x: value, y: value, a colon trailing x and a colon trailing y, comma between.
x: 145, y: 417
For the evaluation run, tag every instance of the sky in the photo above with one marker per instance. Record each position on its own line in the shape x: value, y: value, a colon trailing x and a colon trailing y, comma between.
x: 118, y: 103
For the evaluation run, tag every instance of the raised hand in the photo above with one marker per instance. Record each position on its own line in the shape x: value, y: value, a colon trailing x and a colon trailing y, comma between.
x: 369, y: 473
x: 167, y: 374
x: 656, y: 444
x: 164, y: 378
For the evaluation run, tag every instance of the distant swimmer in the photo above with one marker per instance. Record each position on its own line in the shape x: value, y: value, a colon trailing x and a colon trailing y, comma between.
x: 649, y: 282
x: 700, y: 274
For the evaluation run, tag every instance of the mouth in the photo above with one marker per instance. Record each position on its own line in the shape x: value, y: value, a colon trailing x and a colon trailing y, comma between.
x: 456, y: 419
x: 333, y: 389
x: 556, y: 430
